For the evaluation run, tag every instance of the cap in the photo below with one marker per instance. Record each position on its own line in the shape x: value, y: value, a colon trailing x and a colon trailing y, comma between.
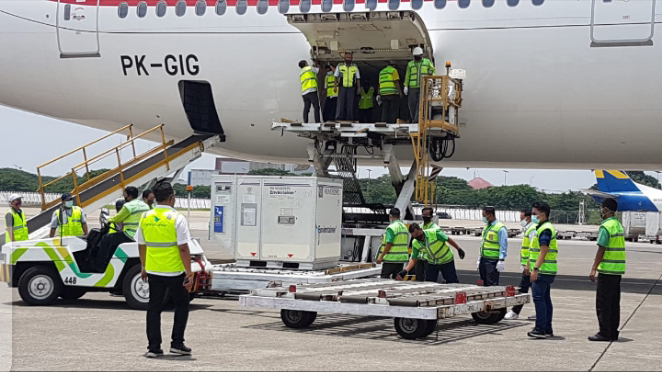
x: 66, y: 196
x: 418, y: 51
x: 13, y: 197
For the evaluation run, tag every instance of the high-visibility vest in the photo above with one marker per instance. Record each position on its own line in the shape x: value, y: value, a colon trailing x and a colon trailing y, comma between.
x: 613, y: 261
x: 549, y: 266
x: 20, y: 227
x: 526, y: 243
x: 330, y: 85
x: 347, y: 74
x: 427, y: 226
x: 365, y: 102
x: 130, y: 224
x: 437, y: 252
x: 308, y: 80
x: 490, y: 247
x: 160, y: 234
x: 399, y: 250
x: 417, y: 68
x: 73, y: 226
x: 386, y: 83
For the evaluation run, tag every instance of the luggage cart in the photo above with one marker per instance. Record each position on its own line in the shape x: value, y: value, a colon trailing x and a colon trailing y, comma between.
x: 415, y: 306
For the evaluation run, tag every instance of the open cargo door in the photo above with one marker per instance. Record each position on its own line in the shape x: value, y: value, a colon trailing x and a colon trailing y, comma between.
x: 372, y: 36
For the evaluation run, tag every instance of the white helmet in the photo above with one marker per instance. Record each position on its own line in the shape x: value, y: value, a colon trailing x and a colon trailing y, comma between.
x: 418, y: 51
x: 13, y: 197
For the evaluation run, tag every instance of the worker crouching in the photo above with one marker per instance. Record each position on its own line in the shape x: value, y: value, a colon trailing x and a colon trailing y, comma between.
x: 437, y: 253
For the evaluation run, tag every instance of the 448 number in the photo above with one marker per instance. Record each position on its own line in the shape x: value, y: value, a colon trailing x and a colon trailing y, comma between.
x: 70, y: 280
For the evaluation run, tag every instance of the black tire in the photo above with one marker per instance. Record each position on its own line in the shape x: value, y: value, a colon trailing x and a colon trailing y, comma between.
x: 430, y: 327
x: 40, y: 286
x: 411, y: 329
x: 491, y: 317
x: 297, y: 319
x: 136, y: 292
x: 72, y: 293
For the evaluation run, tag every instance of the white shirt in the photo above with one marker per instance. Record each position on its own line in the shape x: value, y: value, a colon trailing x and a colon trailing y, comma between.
x: 183, y: 236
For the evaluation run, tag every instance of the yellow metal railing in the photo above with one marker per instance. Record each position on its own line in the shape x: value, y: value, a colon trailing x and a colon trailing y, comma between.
x: 121, y: 166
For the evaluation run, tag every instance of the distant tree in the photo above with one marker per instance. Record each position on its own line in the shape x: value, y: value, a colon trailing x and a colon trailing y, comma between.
x: 271, y: 172
x: 644, y: 179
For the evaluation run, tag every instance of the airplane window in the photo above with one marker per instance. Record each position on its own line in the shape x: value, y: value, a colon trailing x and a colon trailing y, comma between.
x: 463, y: 3
x: 305, y: 6
x: 221, y: 6
x: 123, y: 10
x: 348, y: 5
x: 180, y: 8
x: 283, y: 6
x: 371, y: 4
x: 200, y: 8
x: 538, y: 2
x: 327, y: 5
x: 67, y: 12
x: 393, y: 4
x: 161, y: 8
x: 262, y: 6
x: 416, y: 4
x: 488, y: 3
x: 142, y: 9
x: 241, y: 7
x: 512, y: 2
x: 440, y: 4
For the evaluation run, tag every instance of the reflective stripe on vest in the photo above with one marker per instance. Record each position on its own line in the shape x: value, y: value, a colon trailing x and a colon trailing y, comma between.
x: 386, y: 83
x: 347, y: 74
x: 490, y: 247
x: 308, y: 80
x: 130, y: 224
x: 366, y: 99
x: 160, y: 234
x: 329, y: 84
x: 422, y: 255
x: 20, y: 227
x: 550, y: 265
x: 526, y: 243
x: 73, y: 226
x: 438, y: 252
x: 613, y: 261
x: 416, y: 69
x: 399, y: 250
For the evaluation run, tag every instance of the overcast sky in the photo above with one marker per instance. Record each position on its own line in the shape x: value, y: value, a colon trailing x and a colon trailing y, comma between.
x: 30, y: 140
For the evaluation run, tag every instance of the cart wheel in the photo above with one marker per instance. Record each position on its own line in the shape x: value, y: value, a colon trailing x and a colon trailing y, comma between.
x: 430, y: 327
x: 297, y: 319
x: 489, y: 317
x: 411, y: 329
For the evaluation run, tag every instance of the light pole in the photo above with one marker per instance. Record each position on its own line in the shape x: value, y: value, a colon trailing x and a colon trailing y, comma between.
x: 505, y: 178
x: 367, y: 189
x: 369, y: 173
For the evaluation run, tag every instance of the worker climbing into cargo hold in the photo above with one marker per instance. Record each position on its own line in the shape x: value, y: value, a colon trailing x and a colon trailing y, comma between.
x: 394, y: 251
x: 493, y: 249
x: 529, y: 224
x: 15, y: 222
x: 390, y: 93
x: 415, y: 69
x: 438, y: 255
x: 308, y: 78
x: 68, y: 220
x: 129, y: 215
x: 366, y: 102
x: 347, y: 78
x: 331, y: 102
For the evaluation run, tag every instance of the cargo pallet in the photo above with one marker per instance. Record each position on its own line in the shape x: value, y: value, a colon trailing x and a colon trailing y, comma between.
x: 415, y: 306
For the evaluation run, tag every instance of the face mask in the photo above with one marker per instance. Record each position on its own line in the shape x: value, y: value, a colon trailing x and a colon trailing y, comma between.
x: 535, y: 219
x: 486, y: 220
x: 524, y: 223
x: 603, y: 214
x: 427, y: 219
x: 421, y: 238
x: 69, y: 203
x: 418, y: 58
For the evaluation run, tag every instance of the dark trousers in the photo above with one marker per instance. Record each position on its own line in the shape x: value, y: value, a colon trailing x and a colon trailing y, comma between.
x: 488, y: 272
x: 413, y: 99
x: 608, y: 304
x: 365, y: 115
x: 157, y: 290
x: 524, y: 285
x: 419, y: 270
x: 345, y: 109
x: 542, y: 299
x: 311, y: 99
x: 447, y: 270
x: 329, y: 112
x: 391, y: 269
x: 390, y: 106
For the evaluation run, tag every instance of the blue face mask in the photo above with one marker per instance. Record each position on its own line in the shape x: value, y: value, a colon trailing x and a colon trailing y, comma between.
x: 535, y: 219
x: 69, y: 203
x: 486, y: 220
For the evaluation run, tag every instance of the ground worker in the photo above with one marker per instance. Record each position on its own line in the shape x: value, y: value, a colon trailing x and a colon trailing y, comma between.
x: 366, y: 102
x: 493, y: 249
x: 131, y: 212
x: 163, y: 237
x: 148, y: 198
x: 347, y: 78
x: 109, y: 242
x: 428, y: 224
x: 543, y: 267
x: 415, y: 69
x: 610, y: 263
x: 529, y: 224
x: 394, y: 251
x: 390, y: 93
x: 438, y: 255
x: 308, y: 78
x: 330, y: 104
x: 15, y: 222
x: 69, y: 220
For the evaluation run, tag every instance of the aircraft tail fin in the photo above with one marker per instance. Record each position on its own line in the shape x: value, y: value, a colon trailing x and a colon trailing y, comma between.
x: 614, y: 181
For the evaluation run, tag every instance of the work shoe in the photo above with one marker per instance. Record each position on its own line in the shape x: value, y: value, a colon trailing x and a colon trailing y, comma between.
x: 536, y: 333
x: 181, y: 350
x: 599, y: 338
x: 549, y: 333
x: 532, y: 317
x: 511, y: 315
x: 154, y: 353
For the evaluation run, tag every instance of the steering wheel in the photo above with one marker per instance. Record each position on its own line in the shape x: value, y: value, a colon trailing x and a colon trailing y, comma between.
x: 103, y: 219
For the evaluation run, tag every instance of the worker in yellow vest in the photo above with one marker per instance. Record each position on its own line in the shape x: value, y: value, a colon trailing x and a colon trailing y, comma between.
x: 69, y: 220
x: 366, y: 102
x: 437, y: 254
x: 347, y: 79
x: 129, y: 215
x: 428, y: 224
x: 308, y: 79
x: 330, y: 103
x: 390, y: 93
x: 493, y: 249
x: 543, y: 255
x: 148, y: 198
x: 15, y: 222
x: 163, y: 237
x: 529, y: 224
x: 415, y: 69
x: 610, y: 264
x: 394, y: 251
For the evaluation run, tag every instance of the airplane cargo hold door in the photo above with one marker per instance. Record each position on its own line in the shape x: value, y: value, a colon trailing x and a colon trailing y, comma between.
x: 77, y: 28
x: 622, y: 22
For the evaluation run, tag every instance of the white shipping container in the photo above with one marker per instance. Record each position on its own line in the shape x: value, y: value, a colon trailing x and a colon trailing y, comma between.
x: 634, y: 224
x: 653, y: 227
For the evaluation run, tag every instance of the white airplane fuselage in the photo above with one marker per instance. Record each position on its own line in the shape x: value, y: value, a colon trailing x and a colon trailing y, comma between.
x: 539, y: 92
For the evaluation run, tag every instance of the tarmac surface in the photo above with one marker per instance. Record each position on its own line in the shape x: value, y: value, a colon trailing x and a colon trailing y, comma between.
x: 99, y: 332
